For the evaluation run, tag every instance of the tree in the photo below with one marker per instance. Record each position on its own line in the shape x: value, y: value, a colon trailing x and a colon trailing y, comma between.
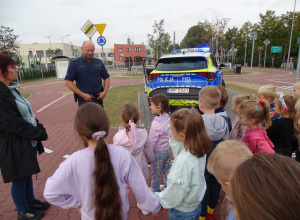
x: 197, y: 35
x: 160, y: 40
x: 8, y: 44
x: 53, y: 52
x: 171, y: 47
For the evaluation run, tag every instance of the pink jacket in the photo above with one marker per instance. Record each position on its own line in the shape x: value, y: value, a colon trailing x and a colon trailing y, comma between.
x: 138, y: 145
x: 159, y: 132
x: 258, y: 142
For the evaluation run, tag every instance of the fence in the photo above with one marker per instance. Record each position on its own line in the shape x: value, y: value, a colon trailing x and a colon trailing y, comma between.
x: 35, y: 74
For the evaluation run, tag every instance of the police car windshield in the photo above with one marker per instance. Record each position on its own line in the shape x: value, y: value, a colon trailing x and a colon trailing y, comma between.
x: 181, y: 63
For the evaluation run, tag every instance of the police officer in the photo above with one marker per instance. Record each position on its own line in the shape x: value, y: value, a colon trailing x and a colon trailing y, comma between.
x: 88, y: 73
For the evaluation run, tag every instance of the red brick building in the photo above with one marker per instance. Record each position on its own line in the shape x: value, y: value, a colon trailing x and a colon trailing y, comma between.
x: 130, y: 54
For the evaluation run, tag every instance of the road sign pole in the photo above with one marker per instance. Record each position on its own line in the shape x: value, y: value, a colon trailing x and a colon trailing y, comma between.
x: 298, y: 62
x: 252, y: 60
x: 103, y: 55
x: 245, y: 52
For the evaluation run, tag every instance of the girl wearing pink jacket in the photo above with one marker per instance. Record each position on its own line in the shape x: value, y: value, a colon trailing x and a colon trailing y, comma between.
x: 159, y: 139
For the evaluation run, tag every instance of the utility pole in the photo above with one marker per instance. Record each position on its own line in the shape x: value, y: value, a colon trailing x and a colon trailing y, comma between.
x: 245, y: 52
x: 266, y: 42
x: 288, y: 58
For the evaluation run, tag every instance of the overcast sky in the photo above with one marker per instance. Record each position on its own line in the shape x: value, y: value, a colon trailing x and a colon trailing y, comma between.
x: 34, y: 20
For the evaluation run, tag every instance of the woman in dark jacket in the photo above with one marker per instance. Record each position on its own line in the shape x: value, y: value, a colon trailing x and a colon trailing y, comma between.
x: 20, y: 139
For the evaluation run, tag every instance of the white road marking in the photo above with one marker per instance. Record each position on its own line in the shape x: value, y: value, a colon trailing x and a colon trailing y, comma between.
x: 285, y: 87
x: 66, y: 156
x: 48, y: 150
x: 46, y: 106
x: 274, y: 80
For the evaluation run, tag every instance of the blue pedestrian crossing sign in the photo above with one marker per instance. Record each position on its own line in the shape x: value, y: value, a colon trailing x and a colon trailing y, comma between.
x: 101, y: 40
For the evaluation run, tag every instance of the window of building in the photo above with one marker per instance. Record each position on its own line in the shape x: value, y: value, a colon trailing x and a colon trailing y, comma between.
x: 50, y: 66
x: 40, y: 53
x: 103, y: 55
x: 96, y: 55
x: 148, y: 51
x: 128, y: 50
x: 43, y: 66
x: 121, y: 58
x: 30, y: 54
x: 121, y: 50
x: 110, y: 54
x: 59, y: 53
x: 137, y: 49
x: 48, y: 54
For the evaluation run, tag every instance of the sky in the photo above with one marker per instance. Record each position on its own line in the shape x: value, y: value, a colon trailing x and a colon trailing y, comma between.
x: 35, y: 20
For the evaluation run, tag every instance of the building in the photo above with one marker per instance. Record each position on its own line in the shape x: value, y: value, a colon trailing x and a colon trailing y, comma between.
x: 38, y: 55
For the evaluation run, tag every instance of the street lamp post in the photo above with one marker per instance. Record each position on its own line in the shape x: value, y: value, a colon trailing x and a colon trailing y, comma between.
x: 62, y: 43
x: 50, y: 42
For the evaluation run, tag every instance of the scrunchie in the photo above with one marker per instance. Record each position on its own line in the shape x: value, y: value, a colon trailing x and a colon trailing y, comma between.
x: 98, y: 134
x: 282, y: 100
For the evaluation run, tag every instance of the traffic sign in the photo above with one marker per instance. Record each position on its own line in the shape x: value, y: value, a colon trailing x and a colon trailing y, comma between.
x: 101, y: 40
x: 88, y: 29
x: 100, y: 28
x: 253, y: 35
x: 266, y: 42
x: 276, y: 49
x: 112, y: 54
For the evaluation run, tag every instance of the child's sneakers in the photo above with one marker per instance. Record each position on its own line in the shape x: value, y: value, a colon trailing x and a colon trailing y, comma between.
x: 144, y: 212
x: 210, y: 216
x: 162, y: 187
x: 30, y: 214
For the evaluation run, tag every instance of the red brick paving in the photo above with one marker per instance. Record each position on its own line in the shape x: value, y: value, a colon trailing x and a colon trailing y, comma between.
x: 58, y: 120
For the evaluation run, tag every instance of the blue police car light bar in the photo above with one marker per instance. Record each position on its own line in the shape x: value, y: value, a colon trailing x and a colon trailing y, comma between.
x: 176, y: 50
x: 204, y: 49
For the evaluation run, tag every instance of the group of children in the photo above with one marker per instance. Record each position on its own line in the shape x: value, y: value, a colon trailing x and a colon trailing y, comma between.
x: 101, y: 176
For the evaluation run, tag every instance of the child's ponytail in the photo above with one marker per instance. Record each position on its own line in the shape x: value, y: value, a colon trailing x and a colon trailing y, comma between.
x: 266, y: 110
x: 91, y: 122
x: 107, y: 196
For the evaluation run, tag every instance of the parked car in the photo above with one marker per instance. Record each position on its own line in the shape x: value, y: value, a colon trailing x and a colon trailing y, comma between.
x: 182, y: 74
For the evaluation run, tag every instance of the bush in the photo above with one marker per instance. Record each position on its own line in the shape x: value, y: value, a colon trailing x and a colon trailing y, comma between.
x: 37, y: 74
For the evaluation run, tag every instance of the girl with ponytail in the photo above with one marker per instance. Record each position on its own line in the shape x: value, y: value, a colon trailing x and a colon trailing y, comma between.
x: 252, y: 114
x: 94, y: 179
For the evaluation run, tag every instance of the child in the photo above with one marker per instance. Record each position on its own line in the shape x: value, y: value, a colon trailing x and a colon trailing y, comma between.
x: 94, y: 178
x: 134, y: 138
x: 186, y: 183
x: 268, y: 92
x: 296, y: 89
x: 238, y: 130
x: 266, y: 187
x: 159, y: 139
x: 282, y: 130
x: 217, y: 130
x: 223, y: 102
x: 225, y: 158
x: 252, y: 114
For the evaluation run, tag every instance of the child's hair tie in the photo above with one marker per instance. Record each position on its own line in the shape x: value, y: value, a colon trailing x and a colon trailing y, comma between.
x: 262, y: 103
x: 248, y: 96
x: 177, y: 116
x: 257, y: 107
x: 159, y: 105
x: 123, y: 108
x: 99, y: 134
x: 281, y: 99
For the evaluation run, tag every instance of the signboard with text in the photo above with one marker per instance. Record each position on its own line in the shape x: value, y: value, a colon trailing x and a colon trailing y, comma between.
x: 276, y: 49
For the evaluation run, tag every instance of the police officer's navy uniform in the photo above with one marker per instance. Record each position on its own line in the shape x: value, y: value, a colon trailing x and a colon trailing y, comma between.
x: 88, y: 77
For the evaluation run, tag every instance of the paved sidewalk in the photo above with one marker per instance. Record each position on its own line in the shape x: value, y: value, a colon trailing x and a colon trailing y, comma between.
x: 54, y: 106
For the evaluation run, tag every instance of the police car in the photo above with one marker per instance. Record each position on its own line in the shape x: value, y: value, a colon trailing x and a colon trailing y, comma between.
x: 181, y: 75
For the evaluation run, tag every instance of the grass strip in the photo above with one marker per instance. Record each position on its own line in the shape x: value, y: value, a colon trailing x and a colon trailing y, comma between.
x: 115, y: 99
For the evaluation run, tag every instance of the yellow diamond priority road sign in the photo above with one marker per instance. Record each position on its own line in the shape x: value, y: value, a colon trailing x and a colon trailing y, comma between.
x: 89, y: 29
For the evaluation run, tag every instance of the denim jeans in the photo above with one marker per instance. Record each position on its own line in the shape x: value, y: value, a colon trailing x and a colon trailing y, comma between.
x: 174, y: 214
x: 160, y: 165
x: 22, y: 193
x: 82, y: 101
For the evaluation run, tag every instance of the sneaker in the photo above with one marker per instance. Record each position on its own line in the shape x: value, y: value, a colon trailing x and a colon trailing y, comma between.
x: 31, y: 214
x: 210, y: 216
x: 38, y: 205
x: 144, y: 212
x: 162, y: 187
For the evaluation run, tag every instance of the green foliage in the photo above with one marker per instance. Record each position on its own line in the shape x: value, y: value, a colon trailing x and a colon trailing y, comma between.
x: 53, y: 52
x: 197, y: 35
x: 160, y: 40
x: 171, y: 47
x: 36, y: 74
x: 8, y: 44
